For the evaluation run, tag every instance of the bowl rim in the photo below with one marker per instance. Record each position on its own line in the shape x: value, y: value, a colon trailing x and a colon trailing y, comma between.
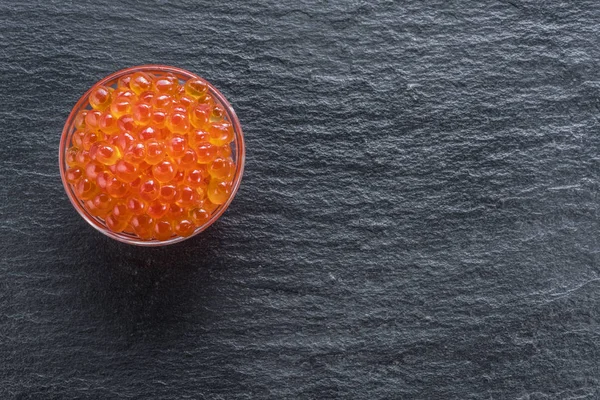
x: 239, y: 147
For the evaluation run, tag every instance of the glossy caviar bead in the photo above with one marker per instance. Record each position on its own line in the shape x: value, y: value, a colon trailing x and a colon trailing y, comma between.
x: 103, y: 203
x: 107, y: 154
x: 148, y: 133
x: 100, y: 98
x: 166, y: 84
x: 136, y: 153
x: 221, y: 168
x: 177, y: 107
x: 176, y: 146
x: 108, y: 123
x: 117, y: 188
x: 93, y: 152
x: 176, y: 212
x: 200, y: 115
x: 121, y: 211
x: 186, y: 197
x: 103, y: 178
x: 112, y: 139
x: 220, y: 133
x: 143, y: 226
x: 146, y: 97
x: 197, y: 137
x: 196, y: 177
x: 208, y: 99
x: 123, y: 93
x: 196, y: 88
x: 155, y: 152
x: 156, y: 209
x: 199, y: 216
x: 90, y: 138
x: 149, y: 190
x: 167, y: 193
x: 92, y: 120
x: 79, y: 121
x: 159, y: 118
x: 92, y: 169
x: 126, y: 123
x: 126, y: 171
x: 218, y: 112
x: 187, y: 102
x: 86, y: 189
x: 188, y: 159
x: 77, y: 138
x: 206, y: 153
x: 82, y: 157
x: 124, y: 140
x: 136, y: 206
x: 140, y: 82
x: 218, y: 192
x: 91, y: 208
x: 164, y: 171
x: 142, y: 113
x: 163, y: 229
x: 121, y: 106
x: 184, y: 228
x: 162, y: 101
x: 116, y: 224
x: 178, y: 122
x: 74, y: 174
x: 123, y: 82
x: 71, y: 157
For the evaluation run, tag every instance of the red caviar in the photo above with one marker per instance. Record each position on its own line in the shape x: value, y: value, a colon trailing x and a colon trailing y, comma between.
x: 151, y: 155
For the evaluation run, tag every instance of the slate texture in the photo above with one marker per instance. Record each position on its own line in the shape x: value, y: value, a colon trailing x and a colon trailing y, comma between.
x: 419, y: 217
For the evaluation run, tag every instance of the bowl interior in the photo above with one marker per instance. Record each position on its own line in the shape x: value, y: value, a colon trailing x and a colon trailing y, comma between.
x: 238, y: 152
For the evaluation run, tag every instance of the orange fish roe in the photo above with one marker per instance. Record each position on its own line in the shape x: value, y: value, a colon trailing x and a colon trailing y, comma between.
x: 151, y: 155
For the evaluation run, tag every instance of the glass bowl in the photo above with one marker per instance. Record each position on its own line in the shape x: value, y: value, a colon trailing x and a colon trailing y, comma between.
x: 237, y: 147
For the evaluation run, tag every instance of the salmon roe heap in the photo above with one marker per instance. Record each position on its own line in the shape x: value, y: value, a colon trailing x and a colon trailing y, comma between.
x: 150, y: 156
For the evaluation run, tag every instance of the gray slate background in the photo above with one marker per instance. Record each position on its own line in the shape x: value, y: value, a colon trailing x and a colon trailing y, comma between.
x: 419, y: 216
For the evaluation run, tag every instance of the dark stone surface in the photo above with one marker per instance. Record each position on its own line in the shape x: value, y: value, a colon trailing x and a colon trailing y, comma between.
x: 419, y: 217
